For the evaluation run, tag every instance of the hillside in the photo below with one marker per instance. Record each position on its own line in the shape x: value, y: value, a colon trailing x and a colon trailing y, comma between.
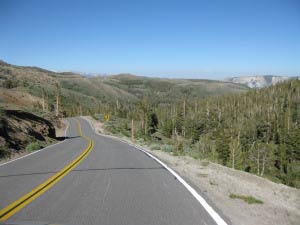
x: 32, y: 92
x: 257, y: 131
x: 81, y: 94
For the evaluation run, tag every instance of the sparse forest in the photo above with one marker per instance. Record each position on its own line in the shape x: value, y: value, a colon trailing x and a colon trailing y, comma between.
x: 257, y: 131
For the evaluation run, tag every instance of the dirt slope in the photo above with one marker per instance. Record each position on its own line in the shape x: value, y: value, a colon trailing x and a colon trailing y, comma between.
x: 18, y: 128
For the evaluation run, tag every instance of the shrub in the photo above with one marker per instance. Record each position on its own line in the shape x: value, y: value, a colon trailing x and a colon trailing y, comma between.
x: 9, y: 83
x: 4, y: 151
x: 2, y: 111
x: 179, y: 149
x: 167, y: 148
x: 248, y: 199
x: 34, y: 146
x: 141, y: 141
x: 155, y: 146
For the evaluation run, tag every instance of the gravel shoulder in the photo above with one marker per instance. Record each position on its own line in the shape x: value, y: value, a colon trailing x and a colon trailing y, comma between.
x: 281, y: 204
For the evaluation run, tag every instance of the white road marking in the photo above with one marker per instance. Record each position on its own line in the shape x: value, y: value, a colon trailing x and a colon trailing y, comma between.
x: 24, y: 156
x: 216, y: 217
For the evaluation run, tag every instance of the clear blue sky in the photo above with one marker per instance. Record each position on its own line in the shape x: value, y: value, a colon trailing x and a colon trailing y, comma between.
x: 200, y: 39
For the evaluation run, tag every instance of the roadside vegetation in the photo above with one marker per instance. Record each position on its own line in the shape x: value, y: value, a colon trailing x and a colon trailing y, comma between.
x: 248, y: 199
x: 34, y: 146
x: 257, y: 132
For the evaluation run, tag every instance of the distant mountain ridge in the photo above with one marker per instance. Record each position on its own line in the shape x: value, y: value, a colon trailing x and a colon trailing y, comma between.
x: 259, y: 81
x: 94, y: 92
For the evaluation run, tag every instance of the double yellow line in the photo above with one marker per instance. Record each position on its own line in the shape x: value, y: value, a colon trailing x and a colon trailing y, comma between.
x: 16, y: 206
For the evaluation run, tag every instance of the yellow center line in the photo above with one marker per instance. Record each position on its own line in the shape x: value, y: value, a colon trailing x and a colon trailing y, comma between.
x: 19, y: 204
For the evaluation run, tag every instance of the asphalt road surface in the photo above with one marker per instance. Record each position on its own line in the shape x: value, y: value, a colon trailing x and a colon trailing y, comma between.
x: 116, y: 184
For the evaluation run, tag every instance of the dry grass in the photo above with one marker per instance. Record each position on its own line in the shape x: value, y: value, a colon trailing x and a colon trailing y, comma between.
x: 18, y: 98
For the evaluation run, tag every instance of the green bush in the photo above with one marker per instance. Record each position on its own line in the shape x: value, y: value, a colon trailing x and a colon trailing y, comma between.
x: 167, y: 148
x: 1, y: 111
x: 155, y: 146
x: 248, y: 199
x: 10, y: 83
x: 178, y: 150
x: 4, y: 151
x: 34, y: 146
x: 141, y: 141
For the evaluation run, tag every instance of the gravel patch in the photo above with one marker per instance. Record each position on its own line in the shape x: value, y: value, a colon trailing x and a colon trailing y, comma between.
x: 281, y: 204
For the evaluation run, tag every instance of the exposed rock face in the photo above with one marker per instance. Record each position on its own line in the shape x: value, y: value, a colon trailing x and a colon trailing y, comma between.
x: 18, y: 128
x: 259, y: 81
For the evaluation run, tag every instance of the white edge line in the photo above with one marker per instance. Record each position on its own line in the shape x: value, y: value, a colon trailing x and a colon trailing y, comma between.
x: 217, y: 218
x: 10, y: 161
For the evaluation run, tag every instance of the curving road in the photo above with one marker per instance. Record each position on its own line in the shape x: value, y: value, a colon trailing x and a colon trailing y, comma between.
x: 114, y: 184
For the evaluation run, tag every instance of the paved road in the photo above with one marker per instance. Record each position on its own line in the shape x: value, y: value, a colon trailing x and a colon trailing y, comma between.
x: 115, y: 185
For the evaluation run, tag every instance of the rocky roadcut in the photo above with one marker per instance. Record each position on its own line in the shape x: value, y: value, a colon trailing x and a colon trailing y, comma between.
x: 280, y: 203
x: 19, y: 129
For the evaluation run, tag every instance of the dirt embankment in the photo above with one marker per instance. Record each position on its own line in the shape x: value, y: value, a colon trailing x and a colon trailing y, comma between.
x: 19, y: 128
x: 281, y: 204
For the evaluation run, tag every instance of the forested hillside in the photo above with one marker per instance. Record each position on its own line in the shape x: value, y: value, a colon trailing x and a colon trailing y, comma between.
x: 257, y: 131
x: 77, y: 94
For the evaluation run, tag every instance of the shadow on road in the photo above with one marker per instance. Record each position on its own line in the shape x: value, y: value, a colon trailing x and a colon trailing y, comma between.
x: 64, y: 138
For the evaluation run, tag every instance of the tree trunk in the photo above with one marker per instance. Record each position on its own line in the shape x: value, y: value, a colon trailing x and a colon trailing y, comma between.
x: 57, y: 98
x: 184, y: 114
x: 132, y: 130
x: 258, y: 162
x: 233, y: 157
x: 263, y: 167
x: 207, y: 110
x: 47, y: 104
x: 57, y: 109
x: 184, y: 108
x: 142, y: 124
x: 43, y: 103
